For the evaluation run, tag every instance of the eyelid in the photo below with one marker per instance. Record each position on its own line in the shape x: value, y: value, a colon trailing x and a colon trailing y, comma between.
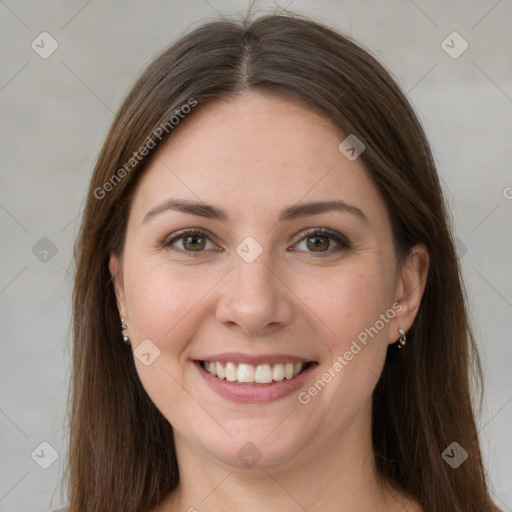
x: 340, y: 239
x: 182, y: 233
x: 337, y: 237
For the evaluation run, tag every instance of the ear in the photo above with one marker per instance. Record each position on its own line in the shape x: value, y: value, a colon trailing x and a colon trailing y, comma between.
x: 115, y: 268
x: 410, y: 286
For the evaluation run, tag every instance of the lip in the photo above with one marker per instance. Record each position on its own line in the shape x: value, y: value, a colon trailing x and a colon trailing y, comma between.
x: 245, y: 393
x: 255, y: 360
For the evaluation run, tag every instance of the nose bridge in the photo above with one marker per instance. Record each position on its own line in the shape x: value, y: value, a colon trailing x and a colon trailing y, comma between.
x: 253, y: 296
x: 255, y: 278
x: 253, y: 266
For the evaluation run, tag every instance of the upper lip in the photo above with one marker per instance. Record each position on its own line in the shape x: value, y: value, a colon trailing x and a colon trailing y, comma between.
x: 254, y: 359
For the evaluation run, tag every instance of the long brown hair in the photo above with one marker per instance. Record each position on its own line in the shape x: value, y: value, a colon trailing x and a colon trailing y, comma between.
x: 121, y: 453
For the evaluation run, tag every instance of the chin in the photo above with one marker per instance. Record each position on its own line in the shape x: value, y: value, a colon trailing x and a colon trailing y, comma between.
x: 257, y: 443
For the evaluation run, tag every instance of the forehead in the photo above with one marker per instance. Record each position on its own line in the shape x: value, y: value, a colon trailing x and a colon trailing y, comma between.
x: 256, y: 154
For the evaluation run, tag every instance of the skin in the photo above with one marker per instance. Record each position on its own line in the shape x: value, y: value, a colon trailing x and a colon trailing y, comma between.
x: 292, y: 299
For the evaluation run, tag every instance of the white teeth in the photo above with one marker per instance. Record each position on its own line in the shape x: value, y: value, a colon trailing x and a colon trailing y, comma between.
x: 247, y: 373
x: 263, y: 374
x: 221, y: 372
x: 278, y: 371
x: 288, y: 370
x: 230, y: 372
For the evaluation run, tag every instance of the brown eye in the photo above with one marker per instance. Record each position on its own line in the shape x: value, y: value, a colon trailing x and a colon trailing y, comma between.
x: 318, y: 243
x: 190, y: 241
x: 319, y: 240
x: 194, y: 242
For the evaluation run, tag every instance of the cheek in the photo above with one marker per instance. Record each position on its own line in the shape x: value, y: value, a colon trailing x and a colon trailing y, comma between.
x: 162, y: 303
x: 357, y: 306
x: 352, y: 300
x: 161, y: 300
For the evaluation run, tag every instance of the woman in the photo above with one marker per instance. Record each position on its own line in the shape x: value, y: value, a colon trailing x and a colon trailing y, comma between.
x: 266, y: 233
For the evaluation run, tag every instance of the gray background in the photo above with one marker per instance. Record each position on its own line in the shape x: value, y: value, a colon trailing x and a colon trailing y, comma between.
x: 55, y: 115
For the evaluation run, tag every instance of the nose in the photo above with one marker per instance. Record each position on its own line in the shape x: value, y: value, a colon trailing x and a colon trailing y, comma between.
x: 255, y: 298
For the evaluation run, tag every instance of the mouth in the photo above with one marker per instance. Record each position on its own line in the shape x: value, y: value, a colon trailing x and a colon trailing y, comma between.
x: 243, y: 373
x: 246, y: 383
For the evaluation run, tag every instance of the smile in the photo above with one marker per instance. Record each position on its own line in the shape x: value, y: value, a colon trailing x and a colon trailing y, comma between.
x: 261, y: 382
x: 250, y: 374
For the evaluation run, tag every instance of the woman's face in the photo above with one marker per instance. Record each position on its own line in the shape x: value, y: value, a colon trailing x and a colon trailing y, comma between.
x: 256, y: 287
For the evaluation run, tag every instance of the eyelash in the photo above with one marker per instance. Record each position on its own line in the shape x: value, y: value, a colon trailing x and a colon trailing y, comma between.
x: 338, y: 238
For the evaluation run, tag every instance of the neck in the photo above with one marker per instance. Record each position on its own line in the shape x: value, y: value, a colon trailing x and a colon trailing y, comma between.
x: 340, y: 476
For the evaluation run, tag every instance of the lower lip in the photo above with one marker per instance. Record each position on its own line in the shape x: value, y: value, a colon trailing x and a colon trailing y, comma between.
x: 246, y: 393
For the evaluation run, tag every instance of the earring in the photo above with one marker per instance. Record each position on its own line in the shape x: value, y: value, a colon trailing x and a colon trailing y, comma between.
x: 123, y: 328
x: 403, y: 339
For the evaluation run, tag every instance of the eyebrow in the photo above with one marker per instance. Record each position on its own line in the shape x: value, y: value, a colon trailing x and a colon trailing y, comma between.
x: 290, y: 213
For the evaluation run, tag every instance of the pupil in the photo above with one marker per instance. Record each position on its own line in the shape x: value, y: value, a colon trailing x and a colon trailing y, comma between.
x: 194, y: 241
x: 318, y: 243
